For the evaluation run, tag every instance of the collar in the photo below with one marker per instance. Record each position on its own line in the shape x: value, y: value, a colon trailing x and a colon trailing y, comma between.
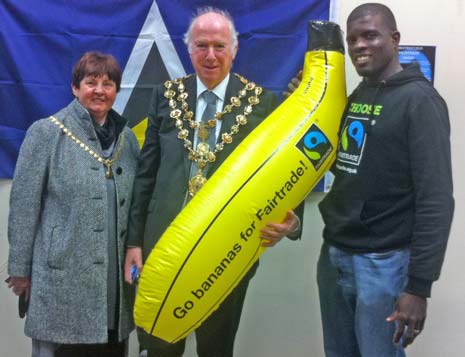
x: 219, y: 90
x: 85, y: 116
x: 87, y: 113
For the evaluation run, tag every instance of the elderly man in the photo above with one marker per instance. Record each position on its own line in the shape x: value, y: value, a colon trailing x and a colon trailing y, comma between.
x: 168, y: 175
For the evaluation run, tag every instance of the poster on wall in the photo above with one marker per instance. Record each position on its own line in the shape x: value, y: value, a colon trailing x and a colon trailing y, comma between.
x: 424, y: 55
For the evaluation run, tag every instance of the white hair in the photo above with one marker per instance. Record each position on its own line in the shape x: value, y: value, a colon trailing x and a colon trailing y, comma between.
x: 207, y: 9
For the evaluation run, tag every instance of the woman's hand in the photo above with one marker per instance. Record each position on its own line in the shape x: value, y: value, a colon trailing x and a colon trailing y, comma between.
x: 20, y: 285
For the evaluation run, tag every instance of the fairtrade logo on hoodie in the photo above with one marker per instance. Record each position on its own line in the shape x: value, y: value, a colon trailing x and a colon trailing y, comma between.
x: 315, y: 145
x: 352, y: 141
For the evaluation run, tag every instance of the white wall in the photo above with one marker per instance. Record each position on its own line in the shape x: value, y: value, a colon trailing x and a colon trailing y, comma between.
x: 281, y: 316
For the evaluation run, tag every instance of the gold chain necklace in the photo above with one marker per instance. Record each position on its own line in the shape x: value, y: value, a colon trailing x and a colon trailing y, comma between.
x: 203, y: 154
x: 107, y: 162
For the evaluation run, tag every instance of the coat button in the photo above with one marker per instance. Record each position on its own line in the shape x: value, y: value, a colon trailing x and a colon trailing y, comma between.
x: 119, y: 170
x: 122, y: 201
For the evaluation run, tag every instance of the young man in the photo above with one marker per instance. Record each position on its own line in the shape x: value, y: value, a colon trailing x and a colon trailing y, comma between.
x: 168, y: 175
x: 388, y: 215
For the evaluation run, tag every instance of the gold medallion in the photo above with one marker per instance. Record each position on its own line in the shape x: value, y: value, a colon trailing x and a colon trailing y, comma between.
x: 196, y: 183
x: 180, y: 113
x: 108, y: 172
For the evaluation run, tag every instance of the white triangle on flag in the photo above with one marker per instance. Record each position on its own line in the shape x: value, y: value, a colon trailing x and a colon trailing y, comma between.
x: 153, y: 30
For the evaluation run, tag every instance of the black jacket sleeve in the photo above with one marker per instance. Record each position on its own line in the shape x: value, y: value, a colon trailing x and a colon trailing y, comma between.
x: 431, y: 172
x: 146, y: 176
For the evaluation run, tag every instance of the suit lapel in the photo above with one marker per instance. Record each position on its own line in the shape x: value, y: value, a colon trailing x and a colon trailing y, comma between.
x: 234, y: 85
x: 191, y: 89
x: 228, y: 120
x: 232, y: 90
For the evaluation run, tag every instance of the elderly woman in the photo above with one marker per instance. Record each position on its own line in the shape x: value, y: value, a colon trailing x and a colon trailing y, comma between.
x: 68, y: 214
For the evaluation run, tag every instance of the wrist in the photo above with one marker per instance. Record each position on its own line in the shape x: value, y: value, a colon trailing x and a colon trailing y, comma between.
x: 296, y: 224
x: 419, y: 287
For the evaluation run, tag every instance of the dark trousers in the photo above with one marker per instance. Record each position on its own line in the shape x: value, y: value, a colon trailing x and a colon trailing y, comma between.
x: 100, y: 350
x: 215, y: 337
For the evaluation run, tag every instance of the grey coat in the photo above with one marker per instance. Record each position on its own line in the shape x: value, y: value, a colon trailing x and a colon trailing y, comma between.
x: 57, y: 229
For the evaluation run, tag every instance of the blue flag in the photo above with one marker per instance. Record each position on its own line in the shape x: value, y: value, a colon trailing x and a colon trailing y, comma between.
x: 41, y: 40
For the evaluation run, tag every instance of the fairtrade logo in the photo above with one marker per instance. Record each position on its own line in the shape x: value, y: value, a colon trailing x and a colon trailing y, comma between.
x: 311, y: 142
x: 356, y: 131
x: 315, y: 145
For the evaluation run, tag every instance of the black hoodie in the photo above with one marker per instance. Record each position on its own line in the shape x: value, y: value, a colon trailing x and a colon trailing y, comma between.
x: 393, y: 184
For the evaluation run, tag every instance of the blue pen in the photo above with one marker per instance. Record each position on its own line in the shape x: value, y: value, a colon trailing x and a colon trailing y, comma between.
x: 135, y: 274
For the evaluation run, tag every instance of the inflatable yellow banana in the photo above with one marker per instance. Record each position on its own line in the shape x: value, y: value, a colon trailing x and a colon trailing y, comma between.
x: 213, y: 242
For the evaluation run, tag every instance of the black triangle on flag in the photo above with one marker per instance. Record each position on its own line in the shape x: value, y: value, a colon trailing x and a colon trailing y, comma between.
x: 153, y: 60
x: 153, y: 72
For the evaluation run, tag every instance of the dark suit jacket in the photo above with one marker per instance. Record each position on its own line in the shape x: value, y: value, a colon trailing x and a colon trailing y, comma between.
x: 161, y: 183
